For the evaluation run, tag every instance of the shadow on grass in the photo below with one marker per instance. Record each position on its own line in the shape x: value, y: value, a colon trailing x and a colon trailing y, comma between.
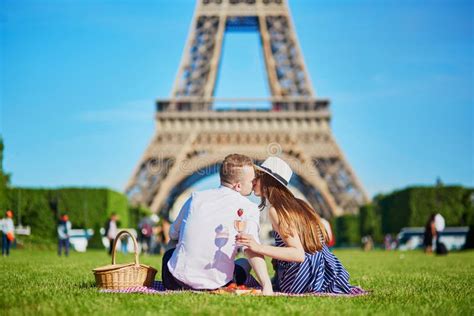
x: 87, y: 285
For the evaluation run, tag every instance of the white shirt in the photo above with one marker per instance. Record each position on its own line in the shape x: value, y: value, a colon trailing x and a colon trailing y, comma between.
x: 7, y: 225
x: 206, y: 249
x: 63, y: 230
x: 439, y: 222
x: 112, y: 232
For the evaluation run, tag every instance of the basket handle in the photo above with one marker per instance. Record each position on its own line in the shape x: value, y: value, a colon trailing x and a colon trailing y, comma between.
x: 135, y: 245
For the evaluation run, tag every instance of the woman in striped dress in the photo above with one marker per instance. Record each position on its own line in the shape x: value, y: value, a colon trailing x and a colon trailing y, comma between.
x: 304, y: 264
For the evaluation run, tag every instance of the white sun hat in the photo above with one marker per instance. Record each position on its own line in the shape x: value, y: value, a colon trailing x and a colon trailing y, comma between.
x: 277, y: 168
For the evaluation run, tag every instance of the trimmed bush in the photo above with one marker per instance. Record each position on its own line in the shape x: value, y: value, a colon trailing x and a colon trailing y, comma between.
x: 86, y: 207
x: 412, y: 206
x: 370, y: 222
x: 346, y: 229
x: 4, y: 179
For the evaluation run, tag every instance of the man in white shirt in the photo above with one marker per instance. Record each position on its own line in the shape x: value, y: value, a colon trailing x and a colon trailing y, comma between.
x: 111, y: 230
x: 206, y: 249
x: 8, y: 232
x: 63, y: 230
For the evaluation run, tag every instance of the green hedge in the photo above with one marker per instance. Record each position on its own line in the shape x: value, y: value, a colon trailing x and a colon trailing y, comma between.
x: 346, y: 229
x: 4, y: 179
x: 410, y: 207
x: 370, y: 222
x: 86, y: 207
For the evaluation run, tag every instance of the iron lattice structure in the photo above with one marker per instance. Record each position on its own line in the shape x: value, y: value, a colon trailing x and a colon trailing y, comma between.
x: 192, y: 139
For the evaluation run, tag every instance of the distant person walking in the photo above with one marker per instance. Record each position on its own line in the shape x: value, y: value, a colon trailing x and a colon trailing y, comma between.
x: 145, y: 227
x: 64, y: 231
x: 111, y: 230
x: 8, y: 233
x: 430, y: 233
x: 387, y: 241
x: 440, y: 224
x: 367, y: 243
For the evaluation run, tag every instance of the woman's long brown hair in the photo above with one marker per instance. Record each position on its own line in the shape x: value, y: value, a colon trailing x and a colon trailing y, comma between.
x: 293, y: 214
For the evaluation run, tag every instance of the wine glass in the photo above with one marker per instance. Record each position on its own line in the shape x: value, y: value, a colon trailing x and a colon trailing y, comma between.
x: 240, y: 225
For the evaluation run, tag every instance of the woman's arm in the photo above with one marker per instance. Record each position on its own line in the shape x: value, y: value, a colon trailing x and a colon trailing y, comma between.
x: 293, y: 251
x: 288, y: 253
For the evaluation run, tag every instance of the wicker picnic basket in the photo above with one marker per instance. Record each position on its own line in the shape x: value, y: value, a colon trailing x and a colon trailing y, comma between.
x: 120, y: 276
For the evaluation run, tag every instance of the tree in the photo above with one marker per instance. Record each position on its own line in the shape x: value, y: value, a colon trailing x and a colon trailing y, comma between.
x: 4, y: 180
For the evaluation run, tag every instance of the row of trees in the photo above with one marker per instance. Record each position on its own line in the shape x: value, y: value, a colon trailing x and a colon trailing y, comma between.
x: 4, y: 178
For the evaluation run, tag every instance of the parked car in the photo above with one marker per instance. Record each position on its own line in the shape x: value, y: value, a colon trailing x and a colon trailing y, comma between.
x: 411, y: 238
x: 79, y: 238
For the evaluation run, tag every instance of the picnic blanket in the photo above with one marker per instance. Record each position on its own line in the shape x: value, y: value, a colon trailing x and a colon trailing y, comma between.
x: 159, y: 289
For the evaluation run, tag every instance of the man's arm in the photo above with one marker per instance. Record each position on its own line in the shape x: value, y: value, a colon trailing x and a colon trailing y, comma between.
x: 176, y: 226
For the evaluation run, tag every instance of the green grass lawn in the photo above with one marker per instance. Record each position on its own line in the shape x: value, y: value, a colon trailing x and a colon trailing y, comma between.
x: 38, y: 282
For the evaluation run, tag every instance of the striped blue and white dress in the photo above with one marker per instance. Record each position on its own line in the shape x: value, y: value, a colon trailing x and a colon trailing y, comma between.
x: 320, y: 272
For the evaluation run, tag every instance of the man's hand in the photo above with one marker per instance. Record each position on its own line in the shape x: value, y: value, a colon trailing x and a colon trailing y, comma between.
x: 248, y: 241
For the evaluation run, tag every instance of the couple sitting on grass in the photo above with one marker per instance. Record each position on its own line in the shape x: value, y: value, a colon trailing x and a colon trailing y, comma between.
x: 207, y: 237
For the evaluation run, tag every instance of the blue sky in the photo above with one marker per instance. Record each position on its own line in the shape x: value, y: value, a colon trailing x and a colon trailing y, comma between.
x: 79, y: 79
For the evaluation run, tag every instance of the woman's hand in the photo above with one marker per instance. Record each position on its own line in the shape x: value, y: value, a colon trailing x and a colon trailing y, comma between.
x: 248, y: 241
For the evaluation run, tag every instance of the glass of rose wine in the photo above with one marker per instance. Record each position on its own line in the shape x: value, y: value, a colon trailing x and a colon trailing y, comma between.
x: 240, y: 224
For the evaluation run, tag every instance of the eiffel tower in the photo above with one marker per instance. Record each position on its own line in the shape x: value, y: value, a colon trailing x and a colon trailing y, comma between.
x: 192, y: 138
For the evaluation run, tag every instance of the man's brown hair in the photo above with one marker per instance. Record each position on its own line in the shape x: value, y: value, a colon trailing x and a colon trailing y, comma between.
x: 232, y: 168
